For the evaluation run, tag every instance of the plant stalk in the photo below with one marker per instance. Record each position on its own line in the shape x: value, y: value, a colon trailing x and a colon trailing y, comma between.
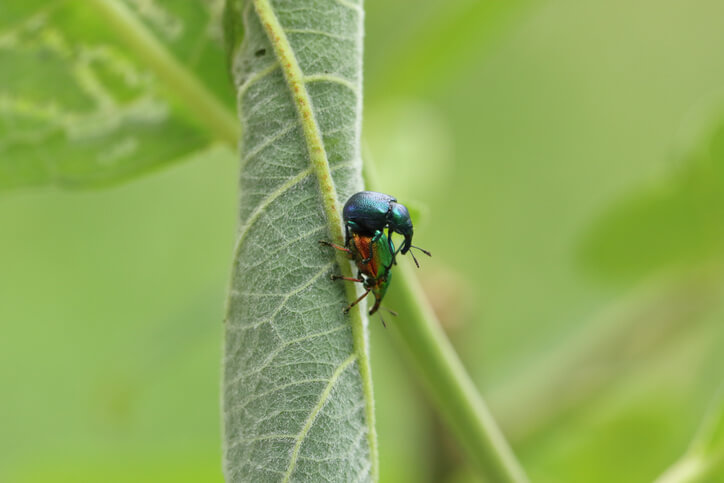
x: 448, y: 383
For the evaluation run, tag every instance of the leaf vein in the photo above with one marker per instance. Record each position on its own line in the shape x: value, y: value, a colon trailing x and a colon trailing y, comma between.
x: 286, y: 344
x: 267, y: 142
x: 320, y: 32
x: 332, y: 79
x: 263, y: 437
x: 259, y: 210
x: 255, y: 77
x: 315, y: 412
x: 286, y: 298
x: 284, y: 246
x: 260, y: 395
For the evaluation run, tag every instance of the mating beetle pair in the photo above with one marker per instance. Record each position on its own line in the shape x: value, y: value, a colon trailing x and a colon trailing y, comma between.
x: 366, y: 214
x: 374, y: 258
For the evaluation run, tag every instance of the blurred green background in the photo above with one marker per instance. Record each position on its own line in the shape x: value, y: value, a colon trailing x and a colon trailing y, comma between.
x: 567, y: 160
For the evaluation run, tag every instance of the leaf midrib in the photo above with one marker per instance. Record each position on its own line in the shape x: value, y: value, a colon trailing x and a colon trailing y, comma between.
x: 296, y: 83
x: 219, y: 119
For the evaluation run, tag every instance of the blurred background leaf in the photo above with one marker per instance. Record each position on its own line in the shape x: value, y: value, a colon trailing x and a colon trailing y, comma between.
x: 555, y: 118
x: 79, y: 106
x: 111, y: 307
x: 678, y: 221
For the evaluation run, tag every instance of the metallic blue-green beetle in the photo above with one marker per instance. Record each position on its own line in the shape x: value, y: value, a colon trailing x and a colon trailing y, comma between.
x: 367, y: 212
x: 373, y: 257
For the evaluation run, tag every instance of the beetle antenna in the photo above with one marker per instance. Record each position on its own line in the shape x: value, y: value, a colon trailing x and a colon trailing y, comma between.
x: 422, y: 250
x: 413, y: 257
x: 392, y: 312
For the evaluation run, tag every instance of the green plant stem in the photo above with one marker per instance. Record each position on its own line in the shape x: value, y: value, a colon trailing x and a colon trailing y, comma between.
x: 448, y: 383
x: 444, y: 375
x: 181, y: 83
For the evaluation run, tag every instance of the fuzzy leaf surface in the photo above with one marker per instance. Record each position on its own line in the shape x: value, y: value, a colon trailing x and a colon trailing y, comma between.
x: 294, y: 400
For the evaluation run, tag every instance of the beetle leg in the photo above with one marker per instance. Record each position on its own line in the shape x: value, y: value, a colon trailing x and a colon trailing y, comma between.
x: 349, y: 307
x: 392, y: 248
x: 330, y: 244
x: 349, y: 228
x: 375, y: 239
x: 349, y: 279
x: 375, y: 306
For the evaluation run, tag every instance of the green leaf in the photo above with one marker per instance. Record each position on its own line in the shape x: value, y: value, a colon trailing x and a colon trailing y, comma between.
x: 297, y: 388
x: 99, y: 91
x: 678, y: 221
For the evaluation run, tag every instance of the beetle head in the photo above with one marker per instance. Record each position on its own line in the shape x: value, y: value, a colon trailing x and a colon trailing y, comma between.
x: 400, y: 222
